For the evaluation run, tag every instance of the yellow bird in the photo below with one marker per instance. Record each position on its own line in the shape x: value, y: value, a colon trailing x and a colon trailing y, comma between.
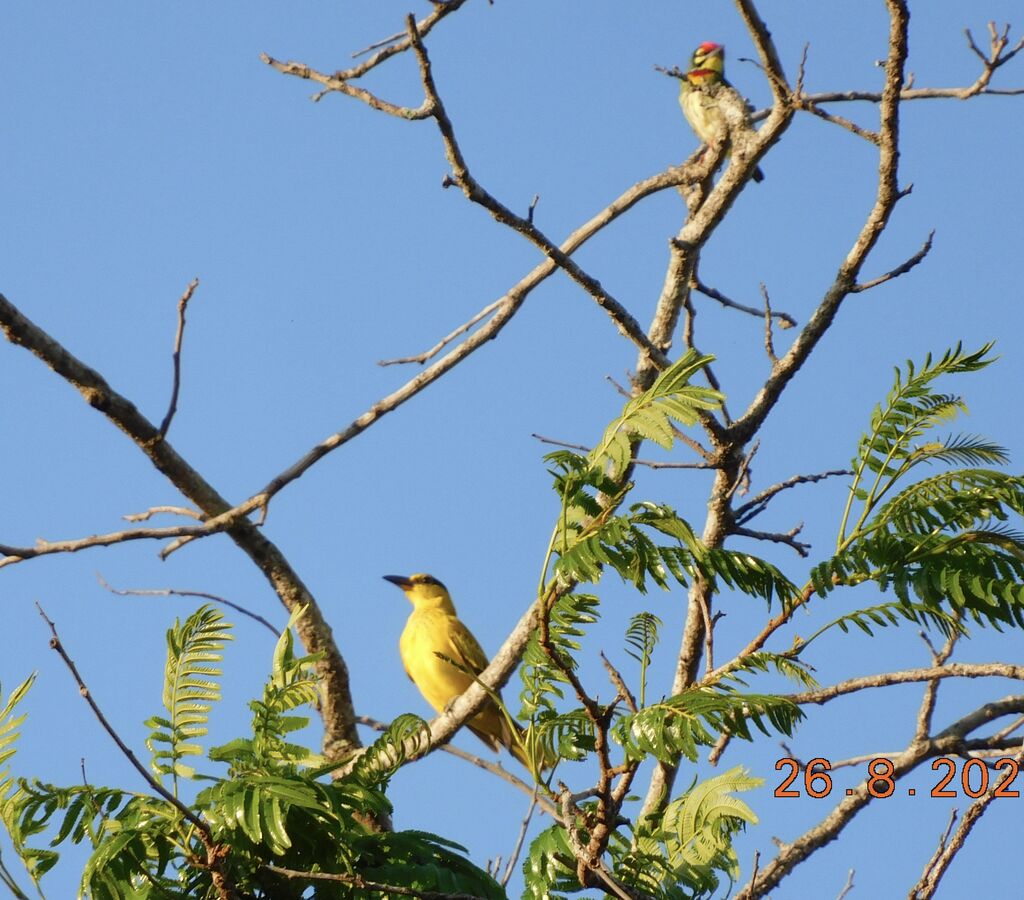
x: 434, y: 628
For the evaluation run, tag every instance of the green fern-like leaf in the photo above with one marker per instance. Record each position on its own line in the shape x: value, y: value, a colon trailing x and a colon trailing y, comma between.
x: 950, y: 501
x: 951, y: 539
x: 763, y: 661
x: 911, y: 410
x: 191, y: 687
x: 698, y: 828
x: 387, y: 754
x: 423, y: 862
x: 642, y: 636
x: 886, y: 615
x: 568, y: 619
x: 549, y: 869
x: 651, y: 414
x: 684, y: 853
x: 680, y: 724
x: 9, y: 725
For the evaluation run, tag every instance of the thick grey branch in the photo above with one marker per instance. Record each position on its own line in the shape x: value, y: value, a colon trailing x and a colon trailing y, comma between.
x: 338, y: 714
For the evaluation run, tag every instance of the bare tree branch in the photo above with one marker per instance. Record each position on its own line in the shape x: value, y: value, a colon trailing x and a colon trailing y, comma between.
x: 13, y: 555
x: 757, y: 505
x: 788, y: 537
x: 953, y: 813
x: 427, y: 355
x: 172, y: 407
x: 338, y: 715
x: 929, y: 882
x: 168, y: 510
x: 846, y: 278
x: 173, y: 592
x: 785, y: 320
x: 901, y: 269
x: 907, y: 676
x: 476, y: 193
x: 518, y: 847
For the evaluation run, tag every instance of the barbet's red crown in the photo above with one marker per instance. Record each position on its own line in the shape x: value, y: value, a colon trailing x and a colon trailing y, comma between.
x: 707, y: 63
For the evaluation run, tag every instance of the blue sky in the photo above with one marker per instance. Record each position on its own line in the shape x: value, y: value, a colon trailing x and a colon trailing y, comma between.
x: 147, y: 144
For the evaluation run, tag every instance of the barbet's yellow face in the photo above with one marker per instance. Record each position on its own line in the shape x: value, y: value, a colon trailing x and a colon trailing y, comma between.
x: 707, y: 63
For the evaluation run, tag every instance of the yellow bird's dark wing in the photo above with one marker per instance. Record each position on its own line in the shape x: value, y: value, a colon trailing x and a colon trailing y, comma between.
x: 468, y: 651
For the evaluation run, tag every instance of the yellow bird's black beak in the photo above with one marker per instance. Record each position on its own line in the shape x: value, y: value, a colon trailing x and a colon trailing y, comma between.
x: 399, y: 580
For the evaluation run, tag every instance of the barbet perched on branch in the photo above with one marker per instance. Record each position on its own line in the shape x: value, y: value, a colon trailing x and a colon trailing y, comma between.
x: 712, y: 106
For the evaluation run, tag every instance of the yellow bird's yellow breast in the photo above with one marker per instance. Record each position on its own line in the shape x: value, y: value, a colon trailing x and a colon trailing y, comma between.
x: 701, y: 112
x: 427, y: 633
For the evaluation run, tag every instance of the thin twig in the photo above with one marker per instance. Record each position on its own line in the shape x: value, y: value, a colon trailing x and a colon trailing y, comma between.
x: 901, y: 269
x: 148, y: 514
x: 908, y: 676
x: 953, y: 814
x: 769, y: 340
x: 650, y: 464
x: 742, y: 477
x: 807, y: 105
x: 788, y: 537
x: 517, y: 849
x: 495, y: 768
x: 846, y: 887
x: 757, y: 505
x: 784, y: 320
x: 926, y: 709
x: 533, y: 206
x: 172, y: 407
x: 12, y: 555
x: 397, y: 36
x: 427, y: 355
x: 174, y: 592
x: 619, y: 683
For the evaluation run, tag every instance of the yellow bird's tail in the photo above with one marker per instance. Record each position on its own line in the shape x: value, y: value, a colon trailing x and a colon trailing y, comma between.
x: 506, y: 734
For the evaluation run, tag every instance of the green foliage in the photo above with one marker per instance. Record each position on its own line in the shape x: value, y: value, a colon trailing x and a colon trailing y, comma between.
x: 590, y: 537
x: 642, y: 636
x: 651, y: 414
x: 678, y: 856
x: 944, y: 539
x: 888, y: 614
x: 549, y: 868
x: 677, y: 726
x: 570, y: 735
x: 270, y: 809
x: 190, y: 690
x: 784, y: 664
x: 692, y: 842
x: 292, y: 684
x: 9, y: 723
x: 386, y: 755
x: 127, y: 833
